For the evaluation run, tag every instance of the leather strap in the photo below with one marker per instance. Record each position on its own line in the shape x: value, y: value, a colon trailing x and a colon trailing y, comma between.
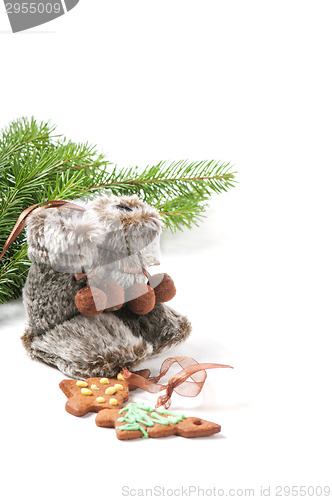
x: 21, y: 221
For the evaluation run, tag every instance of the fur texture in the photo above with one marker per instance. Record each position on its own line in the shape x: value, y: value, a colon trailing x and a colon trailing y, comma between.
x: 113, y: 232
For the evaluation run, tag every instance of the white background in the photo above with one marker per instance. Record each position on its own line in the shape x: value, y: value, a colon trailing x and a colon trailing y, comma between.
x: 245, y: 82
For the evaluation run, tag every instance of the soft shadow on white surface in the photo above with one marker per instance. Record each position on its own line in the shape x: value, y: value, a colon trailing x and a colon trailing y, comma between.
x: 12, y: 311
x: 207, y: 236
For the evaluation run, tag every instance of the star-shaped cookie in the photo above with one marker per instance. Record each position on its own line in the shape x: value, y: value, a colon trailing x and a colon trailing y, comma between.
x: 94, y: 394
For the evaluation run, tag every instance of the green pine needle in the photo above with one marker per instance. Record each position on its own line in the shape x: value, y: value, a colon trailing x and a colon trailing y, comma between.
x: 36, y: 165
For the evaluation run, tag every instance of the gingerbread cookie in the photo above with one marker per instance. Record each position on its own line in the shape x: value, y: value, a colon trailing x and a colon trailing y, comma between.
x: 94, y: 394
x: 138, y: 420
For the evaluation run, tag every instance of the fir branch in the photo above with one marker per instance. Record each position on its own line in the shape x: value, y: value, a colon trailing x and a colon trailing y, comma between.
x: 183, y: 211
x: 180, y: 178
x: 13, y: 274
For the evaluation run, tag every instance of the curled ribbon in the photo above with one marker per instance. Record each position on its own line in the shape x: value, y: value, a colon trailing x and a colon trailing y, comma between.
x: 178, y: 382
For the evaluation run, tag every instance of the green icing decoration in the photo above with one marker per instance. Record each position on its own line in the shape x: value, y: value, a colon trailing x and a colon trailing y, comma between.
x: 165, y: 412
x: 158, y: 419
x: 137, y: 413
x: 134, y: 427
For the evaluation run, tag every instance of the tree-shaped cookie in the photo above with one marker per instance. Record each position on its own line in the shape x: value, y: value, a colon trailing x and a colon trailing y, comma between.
x: 138, y: 420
